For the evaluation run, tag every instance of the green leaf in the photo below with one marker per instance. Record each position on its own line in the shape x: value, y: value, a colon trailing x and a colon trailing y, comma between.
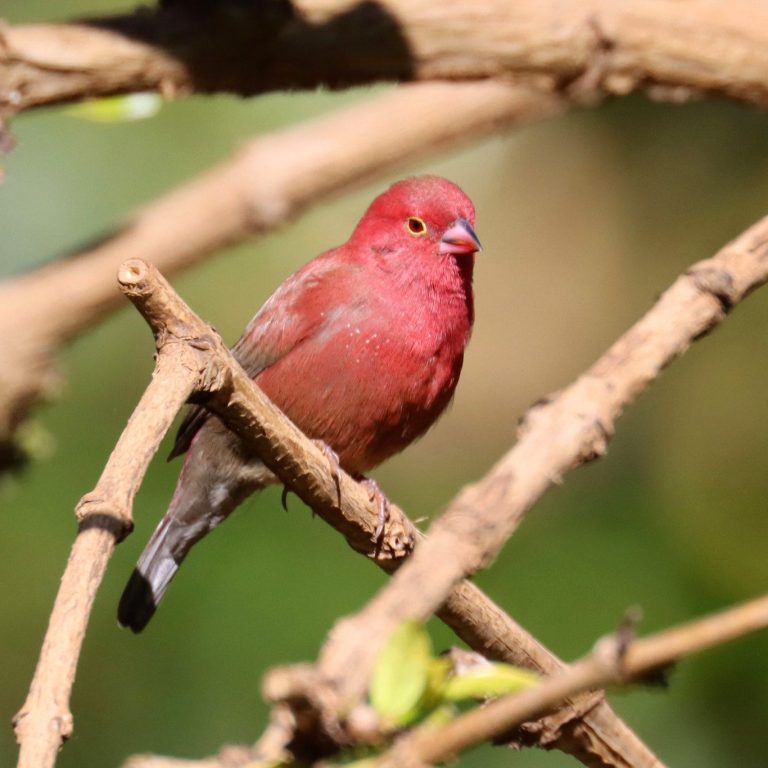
x: 401, y: 674
x: 439, y: 672
x: 117, y: 109
x: 482, y: 682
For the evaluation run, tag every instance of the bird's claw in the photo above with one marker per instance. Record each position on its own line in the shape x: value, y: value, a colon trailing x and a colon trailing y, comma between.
x: 333, y: 465
x: 382, y: 502
x: 374, y: 491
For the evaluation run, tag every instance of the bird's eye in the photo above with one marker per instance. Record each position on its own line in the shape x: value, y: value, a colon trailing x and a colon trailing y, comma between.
x: 416, y: 226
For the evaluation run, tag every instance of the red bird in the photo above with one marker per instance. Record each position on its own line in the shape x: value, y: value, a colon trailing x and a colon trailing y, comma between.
x: 361, y: 349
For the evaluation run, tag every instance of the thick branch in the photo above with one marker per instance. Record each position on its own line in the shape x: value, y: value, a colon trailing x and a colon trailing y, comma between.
x: 268, y: 182
x: 557, y: 435
x: 673, y: 49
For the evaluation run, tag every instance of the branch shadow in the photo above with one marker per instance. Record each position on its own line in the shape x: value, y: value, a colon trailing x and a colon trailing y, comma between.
x: 250, y: 47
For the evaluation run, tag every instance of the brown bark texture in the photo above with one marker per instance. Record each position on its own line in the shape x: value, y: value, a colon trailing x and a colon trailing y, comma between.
x: 672, y: 48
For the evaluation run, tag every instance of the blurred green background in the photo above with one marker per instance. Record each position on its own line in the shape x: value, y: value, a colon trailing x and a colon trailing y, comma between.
x: 585, y: 220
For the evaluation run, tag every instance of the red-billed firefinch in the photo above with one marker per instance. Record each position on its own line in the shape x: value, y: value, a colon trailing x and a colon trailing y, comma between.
x: 361, y: 348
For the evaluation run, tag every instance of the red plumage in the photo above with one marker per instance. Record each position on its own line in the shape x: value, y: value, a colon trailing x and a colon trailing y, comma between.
x: 361, y: 348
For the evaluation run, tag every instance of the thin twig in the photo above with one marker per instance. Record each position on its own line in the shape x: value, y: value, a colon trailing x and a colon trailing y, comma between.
x: 609, y: 663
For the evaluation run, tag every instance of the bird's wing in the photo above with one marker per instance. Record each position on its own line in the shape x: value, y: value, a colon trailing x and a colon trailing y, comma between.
x: 302, y: 306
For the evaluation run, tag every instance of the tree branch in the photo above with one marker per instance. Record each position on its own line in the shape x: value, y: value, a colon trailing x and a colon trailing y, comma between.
x: 572, y: 51
x: 673, y: 50
x: 192, y: 356
x: 267, y: 183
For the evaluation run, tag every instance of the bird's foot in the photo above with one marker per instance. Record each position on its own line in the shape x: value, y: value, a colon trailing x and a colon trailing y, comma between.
x: 382, y: 502
x: 333, y: 465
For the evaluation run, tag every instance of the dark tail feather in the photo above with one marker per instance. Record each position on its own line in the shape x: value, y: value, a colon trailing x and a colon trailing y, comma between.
x: 153, y: 573
x: 138, y: 604
x: 198, y: 505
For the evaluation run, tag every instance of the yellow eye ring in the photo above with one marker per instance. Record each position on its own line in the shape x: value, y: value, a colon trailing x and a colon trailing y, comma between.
x: 416, y: 226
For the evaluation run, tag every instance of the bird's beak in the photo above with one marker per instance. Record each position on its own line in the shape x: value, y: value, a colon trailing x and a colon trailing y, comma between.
x: 460, y: 239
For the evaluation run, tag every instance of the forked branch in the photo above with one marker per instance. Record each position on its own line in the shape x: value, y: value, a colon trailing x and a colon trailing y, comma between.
x: 193, y: 359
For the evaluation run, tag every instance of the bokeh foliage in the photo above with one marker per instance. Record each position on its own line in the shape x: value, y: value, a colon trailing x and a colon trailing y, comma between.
x: 584, y: 220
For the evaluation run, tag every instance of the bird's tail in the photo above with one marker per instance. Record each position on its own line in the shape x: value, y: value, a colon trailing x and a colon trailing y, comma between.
x: 214, y: 480
x: 153, y: 573
x: 191, y: 516
x: 195, y: 510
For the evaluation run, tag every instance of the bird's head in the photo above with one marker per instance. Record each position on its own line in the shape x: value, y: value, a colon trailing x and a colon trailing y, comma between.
x: 421, y: 215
